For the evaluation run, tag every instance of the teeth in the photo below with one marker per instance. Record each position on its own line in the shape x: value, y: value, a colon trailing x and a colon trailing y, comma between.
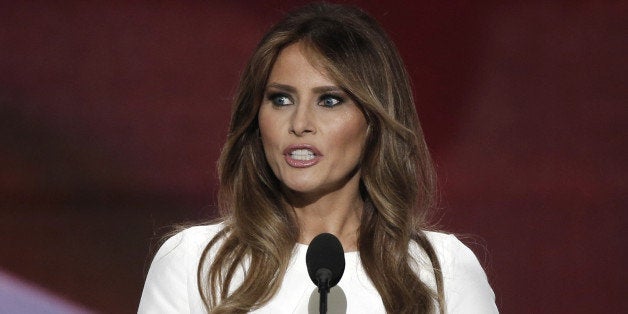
x: 302, y: 154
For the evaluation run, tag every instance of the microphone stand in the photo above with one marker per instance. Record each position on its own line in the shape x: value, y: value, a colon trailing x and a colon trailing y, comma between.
x: 324, y: 276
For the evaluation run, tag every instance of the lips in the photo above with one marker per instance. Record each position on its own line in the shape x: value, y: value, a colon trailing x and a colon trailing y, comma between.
x: 302, y: 155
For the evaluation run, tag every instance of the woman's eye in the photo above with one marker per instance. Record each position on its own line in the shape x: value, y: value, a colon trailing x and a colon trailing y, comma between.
x: 280, y: 100
x: 330, y: 101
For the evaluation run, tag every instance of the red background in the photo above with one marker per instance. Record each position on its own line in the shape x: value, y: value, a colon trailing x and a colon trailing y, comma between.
x: 112, y: 115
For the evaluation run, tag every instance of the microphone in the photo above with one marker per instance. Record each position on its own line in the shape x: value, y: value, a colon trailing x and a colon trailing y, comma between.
x: 325, y: 261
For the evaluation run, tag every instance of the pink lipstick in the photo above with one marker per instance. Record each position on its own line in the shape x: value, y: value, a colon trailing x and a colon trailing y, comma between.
x: 302, y: 155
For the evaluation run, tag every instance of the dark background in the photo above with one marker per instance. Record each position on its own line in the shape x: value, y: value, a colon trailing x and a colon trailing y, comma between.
x: 112, y: 116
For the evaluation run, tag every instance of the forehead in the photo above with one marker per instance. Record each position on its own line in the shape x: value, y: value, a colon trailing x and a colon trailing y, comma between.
x: 299, y: 64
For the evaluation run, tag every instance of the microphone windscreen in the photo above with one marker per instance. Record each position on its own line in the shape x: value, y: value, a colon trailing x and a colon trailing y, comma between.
x: 325, y: 251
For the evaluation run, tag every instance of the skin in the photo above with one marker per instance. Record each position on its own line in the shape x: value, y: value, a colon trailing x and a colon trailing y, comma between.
x: 304, y: 109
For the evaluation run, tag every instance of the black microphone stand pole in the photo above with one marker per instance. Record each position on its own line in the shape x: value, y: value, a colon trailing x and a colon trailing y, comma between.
x: 324, y: 276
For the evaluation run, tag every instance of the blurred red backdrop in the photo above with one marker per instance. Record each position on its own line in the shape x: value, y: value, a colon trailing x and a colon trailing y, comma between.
x: 112, y: 115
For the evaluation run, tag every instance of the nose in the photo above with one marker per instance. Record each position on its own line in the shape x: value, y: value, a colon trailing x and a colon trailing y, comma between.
x: 302, y: 121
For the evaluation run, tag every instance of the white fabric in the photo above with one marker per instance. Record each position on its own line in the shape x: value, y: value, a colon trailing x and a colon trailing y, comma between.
x: 171, y: 282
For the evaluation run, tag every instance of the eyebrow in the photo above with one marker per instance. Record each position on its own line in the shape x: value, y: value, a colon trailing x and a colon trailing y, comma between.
x: 317, y: 90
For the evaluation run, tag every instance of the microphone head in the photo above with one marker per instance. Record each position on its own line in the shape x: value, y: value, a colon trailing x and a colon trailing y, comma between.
x: 325, y: 252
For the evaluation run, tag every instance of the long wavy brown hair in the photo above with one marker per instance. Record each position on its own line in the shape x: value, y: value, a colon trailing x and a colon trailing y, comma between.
x: 397, y: 179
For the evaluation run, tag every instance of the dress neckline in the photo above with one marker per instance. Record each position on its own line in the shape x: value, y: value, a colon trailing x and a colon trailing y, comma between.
x: 303, y: 248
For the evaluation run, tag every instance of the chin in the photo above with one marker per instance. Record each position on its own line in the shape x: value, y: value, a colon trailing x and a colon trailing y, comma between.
x: 300, y: 182
x: 300, y: 188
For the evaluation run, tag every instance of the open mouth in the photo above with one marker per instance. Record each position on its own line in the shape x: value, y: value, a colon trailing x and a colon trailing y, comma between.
x: 302, y: 154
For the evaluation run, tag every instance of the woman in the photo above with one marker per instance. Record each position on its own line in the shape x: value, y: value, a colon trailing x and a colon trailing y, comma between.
x: 324, y: 137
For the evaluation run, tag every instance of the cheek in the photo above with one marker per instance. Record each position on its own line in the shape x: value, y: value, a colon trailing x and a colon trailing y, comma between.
x: 265, y: 122
x: 271, y: 138
x: 351, y: 131
x: 262, y: 121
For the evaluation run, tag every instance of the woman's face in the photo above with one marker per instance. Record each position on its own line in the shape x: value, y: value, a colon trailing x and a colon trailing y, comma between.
x: 313, y: 133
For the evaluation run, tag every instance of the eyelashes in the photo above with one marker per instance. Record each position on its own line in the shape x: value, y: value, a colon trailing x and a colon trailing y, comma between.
x: 325, y: 100
x: 330, y: 101
x: 280, y: 100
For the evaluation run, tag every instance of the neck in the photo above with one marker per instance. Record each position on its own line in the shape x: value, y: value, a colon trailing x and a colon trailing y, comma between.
x: 335, y: 214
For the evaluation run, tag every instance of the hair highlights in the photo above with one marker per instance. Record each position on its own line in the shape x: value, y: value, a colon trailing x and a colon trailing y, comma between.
x: 397, y: 182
